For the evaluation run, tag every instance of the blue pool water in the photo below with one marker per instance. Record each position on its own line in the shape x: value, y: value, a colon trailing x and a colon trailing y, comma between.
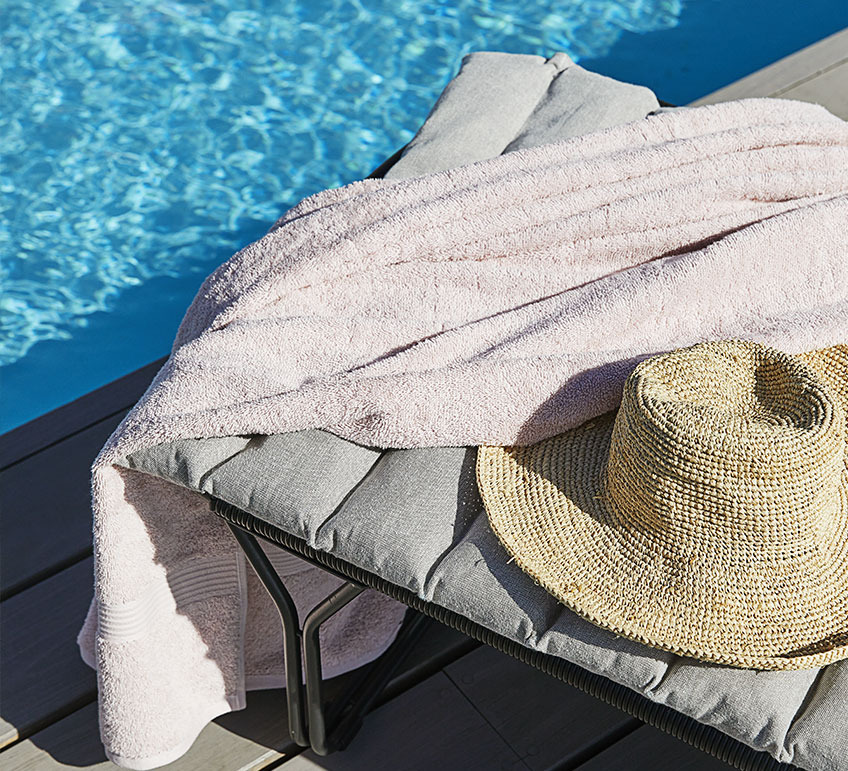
x: 142, y: 143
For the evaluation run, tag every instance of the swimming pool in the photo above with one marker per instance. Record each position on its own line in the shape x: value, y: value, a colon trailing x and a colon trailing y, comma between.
x: 144, y: 142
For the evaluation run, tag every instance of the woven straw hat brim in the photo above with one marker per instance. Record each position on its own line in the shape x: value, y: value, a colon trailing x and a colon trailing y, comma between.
x: 549, y: 506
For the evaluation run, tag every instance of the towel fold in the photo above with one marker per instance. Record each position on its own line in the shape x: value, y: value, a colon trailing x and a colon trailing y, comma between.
x: 496, y: 303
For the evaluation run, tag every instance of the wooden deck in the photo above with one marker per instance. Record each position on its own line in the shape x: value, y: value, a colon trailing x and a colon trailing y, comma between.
x: 818, y: 73
x: 455, y: 704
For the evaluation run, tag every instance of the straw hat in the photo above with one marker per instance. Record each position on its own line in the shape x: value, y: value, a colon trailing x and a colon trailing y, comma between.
x: 707, y: 517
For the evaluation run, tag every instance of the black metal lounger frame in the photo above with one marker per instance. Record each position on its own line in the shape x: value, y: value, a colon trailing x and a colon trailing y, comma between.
x: 328, y: 728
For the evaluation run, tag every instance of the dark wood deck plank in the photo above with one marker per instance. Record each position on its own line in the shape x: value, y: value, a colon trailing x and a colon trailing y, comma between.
x: 46, y: 504
x: 42, y: 674
x: 69, y: 419
x: 647, y: 749
x: 252, y: 738
x: 546, y: 721
x: 432, y: 726
x: 257, y: 740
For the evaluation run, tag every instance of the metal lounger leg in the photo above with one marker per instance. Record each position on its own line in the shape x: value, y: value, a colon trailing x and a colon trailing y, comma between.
x: 329, y: 729
x: 291, y: 632
x: 350, y: 710
x: 312, y: 662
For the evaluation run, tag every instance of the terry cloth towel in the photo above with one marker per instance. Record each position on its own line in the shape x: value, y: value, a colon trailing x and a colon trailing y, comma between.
x: 496, y: 303
x: 539, y: 101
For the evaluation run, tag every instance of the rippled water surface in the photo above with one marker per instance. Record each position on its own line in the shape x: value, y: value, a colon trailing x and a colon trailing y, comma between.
x: 144, y: 142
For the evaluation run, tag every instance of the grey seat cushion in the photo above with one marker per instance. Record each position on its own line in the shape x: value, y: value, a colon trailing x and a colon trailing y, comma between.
x: 415, y: 518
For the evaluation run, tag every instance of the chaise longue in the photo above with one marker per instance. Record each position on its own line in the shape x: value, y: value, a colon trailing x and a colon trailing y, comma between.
x: 410, y: 523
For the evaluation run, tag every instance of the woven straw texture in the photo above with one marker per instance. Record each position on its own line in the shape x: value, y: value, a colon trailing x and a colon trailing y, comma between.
x: 707, y: 517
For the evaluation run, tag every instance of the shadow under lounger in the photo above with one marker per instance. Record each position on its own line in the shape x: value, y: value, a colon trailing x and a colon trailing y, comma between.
x: 410, y: 523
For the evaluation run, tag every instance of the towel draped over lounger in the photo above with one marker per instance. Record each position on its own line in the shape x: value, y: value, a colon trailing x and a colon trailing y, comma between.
x: 500, y: 302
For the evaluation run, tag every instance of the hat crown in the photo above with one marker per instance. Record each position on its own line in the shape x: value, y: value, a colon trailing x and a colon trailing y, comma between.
x: 730, y: 446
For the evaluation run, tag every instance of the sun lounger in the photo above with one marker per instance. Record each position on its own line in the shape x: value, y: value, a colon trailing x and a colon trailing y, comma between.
x: 410, y: 523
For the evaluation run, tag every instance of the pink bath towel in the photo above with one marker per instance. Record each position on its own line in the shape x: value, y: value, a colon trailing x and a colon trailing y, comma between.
x: 496, y: 303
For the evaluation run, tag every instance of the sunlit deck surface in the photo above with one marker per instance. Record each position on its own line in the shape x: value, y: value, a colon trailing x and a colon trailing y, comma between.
x: 454, y: 704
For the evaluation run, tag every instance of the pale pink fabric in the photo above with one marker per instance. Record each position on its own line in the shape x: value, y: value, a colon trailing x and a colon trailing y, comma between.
x: 495, y: 303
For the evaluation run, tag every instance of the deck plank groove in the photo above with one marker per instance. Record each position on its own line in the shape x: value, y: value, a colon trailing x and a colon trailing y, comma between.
x: 430, y: 726
x: 547, y: 722
x: 74, y: 742
x: 253, y: 738
x: 42, y: 673
x: 57, y: 425
x: 647, y: 749
x: 814, y: 63
x: 829, y: 88
x: 46, y: 503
